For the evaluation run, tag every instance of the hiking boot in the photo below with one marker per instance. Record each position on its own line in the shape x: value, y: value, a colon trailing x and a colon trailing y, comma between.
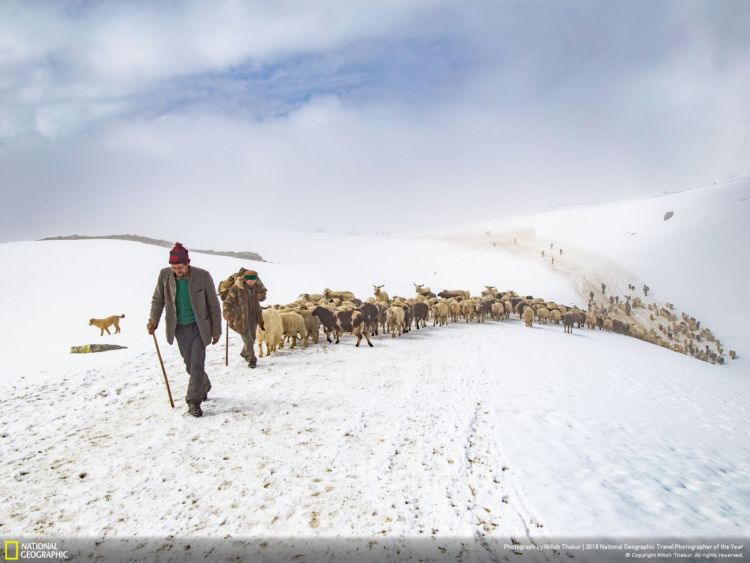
x: 253, y: 362
x: 194, y: 410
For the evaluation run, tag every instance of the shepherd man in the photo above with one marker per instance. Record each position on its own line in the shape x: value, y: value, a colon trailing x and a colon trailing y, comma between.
x: 243, y: 312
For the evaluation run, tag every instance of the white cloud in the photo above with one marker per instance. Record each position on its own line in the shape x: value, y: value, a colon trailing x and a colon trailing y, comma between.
x: 122, y: 47
x: 496, y: 111
x: 55, y: 56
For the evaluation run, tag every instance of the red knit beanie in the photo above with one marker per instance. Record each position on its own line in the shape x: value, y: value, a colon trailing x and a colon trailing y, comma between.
x: 179, y: 254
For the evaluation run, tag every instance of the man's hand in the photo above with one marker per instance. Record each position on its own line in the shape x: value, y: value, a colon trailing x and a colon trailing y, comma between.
x: 215, y: 339
x: 150, y: 327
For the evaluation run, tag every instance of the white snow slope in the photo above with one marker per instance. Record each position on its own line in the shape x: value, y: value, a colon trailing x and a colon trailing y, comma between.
x: 470, y: 431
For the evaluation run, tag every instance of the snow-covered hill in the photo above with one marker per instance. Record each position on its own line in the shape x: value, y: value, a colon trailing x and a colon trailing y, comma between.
x: 697, y: 259
x: 470, y: 431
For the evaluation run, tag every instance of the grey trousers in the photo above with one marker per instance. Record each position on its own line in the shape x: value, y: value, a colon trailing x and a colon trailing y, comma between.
x: 194, y: 353
x: 248, y: 350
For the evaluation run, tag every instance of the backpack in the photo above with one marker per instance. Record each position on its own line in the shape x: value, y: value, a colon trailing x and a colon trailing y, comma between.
x: 226, y: 285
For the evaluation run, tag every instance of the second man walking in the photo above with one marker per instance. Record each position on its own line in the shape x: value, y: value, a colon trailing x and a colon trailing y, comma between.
x: 243, y: 312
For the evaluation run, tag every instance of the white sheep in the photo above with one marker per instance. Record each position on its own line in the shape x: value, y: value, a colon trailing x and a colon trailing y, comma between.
x: 421, y: 289
x: 543, y: 315
x: 312, y: 324
x: 468, y: 309
x: 555, y: 316
x: 455, y: 309
x: 380, y: 295
x: 394, y: 316
x: 273, y: 333
x: 489, y: 291
x: 528, y: 316
x: 342, y: 295
x: 440, y: 314
x: 294, y: 325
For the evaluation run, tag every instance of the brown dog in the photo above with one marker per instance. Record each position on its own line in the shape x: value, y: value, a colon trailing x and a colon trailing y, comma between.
x: 104, y: 324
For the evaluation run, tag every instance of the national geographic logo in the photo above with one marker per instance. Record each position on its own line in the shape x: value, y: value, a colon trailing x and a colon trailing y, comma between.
x: 10, y: 550
x: 14, y: 550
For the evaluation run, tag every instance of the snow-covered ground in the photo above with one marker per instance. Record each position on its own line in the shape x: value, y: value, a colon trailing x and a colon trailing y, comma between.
x: 470, y: 431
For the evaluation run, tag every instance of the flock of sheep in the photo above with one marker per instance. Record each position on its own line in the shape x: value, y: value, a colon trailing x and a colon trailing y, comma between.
x: 340, y: 312
x: 654, y: 323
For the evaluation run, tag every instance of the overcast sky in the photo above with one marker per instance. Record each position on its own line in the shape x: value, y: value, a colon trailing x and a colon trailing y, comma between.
x: 178, y: 119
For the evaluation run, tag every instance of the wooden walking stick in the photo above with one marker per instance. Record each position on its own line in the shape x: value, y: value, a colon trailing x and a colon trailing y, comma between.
x: 166, y: 381
x: 226, y: 350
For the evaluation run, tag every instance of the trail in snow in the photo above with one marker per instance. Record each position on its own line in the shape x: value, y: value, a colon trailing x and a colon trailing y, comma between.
x: 397, y: 441
x: 474, y: 431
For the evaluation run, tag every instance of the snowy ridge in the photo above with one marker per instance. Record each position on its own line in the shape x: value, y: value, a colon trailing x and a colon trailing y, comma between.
x: 692, y: 260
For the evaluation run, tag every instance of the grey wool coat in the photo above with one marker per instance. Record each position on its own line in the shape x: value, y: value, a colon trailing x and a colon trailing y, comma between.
x: 203, y: 298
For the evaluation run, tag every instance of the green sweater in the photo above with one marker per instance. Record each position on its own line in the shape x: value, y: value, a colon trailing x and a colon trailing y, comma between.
x: 185, y: 315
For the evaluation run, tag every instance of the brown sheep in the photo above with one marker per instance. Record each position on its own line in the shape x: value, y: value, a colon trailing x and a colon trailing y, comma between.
x: 370, y: 314
x: 568, y: 320
x: 498, y: 311
x: 468, y: 309
x: 342, y: 321
x: 590, y: 321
